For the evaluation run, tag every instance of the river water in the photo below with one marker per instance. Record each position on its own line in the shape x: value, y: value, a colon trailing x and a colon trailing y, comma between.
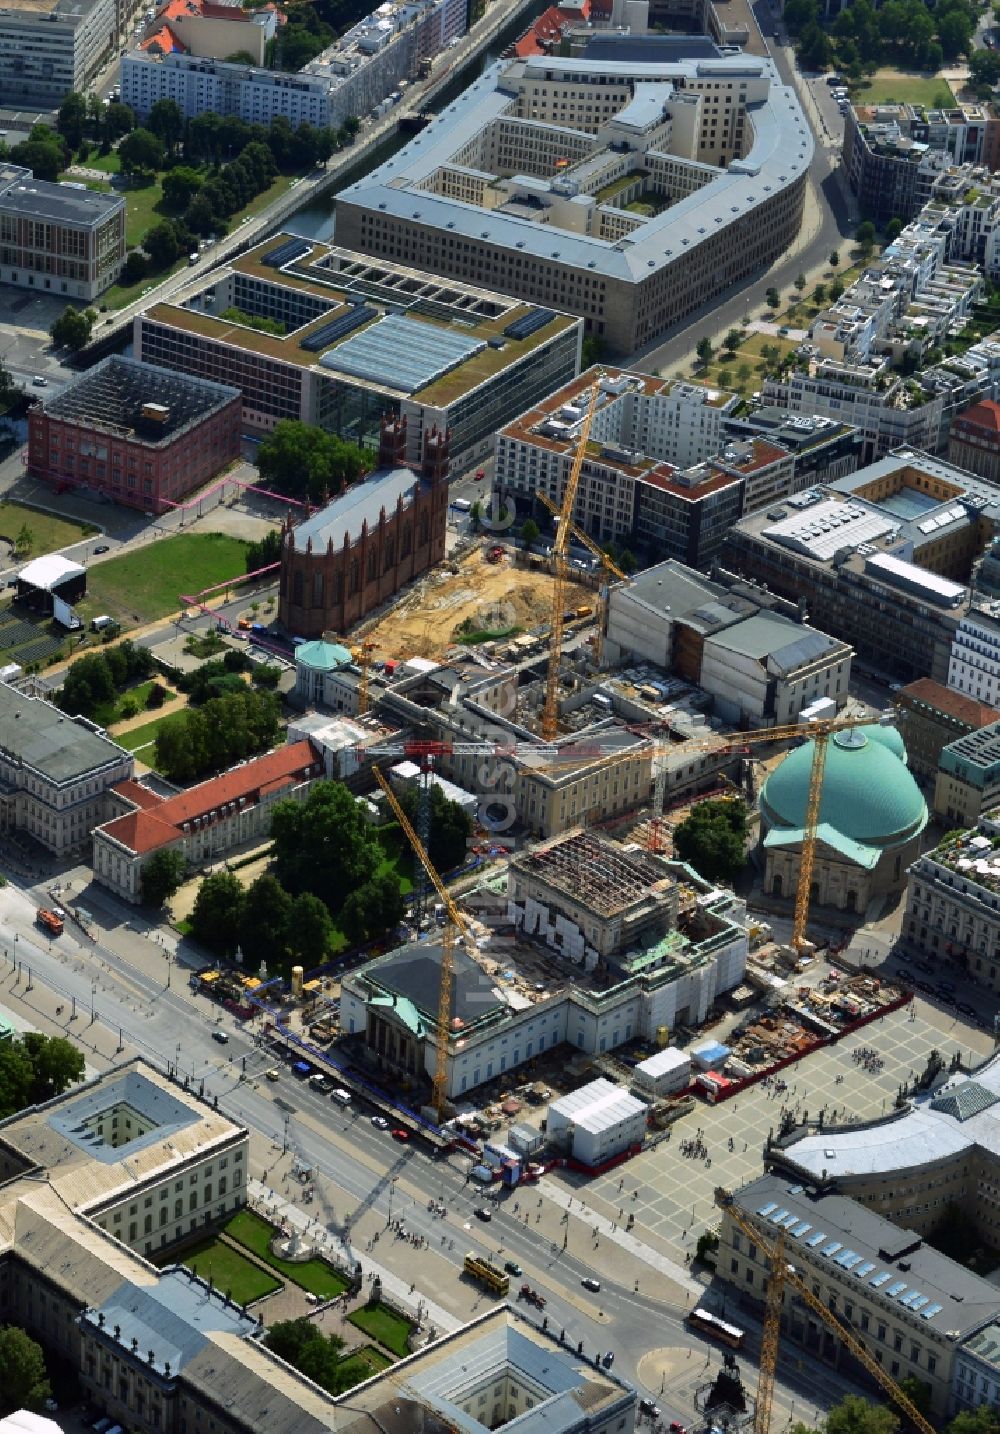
x: 315, y: 220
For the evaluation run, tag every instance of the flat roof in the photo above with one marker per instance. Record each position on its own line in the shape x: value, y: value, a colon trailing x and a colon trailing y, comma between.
x: 402, y: 352
x: 38, y: 735
x: 781, y: 151
x: 778, y: 640
x: 32, y: 198
x: 112, y: 397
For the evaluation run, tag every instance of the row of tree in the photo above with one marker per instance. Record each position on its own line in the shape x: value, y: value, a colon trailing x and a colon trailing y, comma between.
x: 713, y: 839
x: 319, y: 1356
x: 223, y: 731
x: 265, y: 920
x: 855, y: 1415
x: 36, y: 1068
x: 910, y: 33
x: 305, y: 462
x: 94, y: 680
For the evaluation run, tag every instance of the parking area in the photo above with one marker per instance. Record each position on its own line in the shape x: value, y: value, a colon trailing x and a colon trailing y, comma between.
x: 671, y: 1194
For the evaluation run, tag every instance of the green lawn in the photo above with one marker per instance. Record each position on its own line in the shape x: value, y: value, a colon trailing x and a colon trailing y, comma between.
x: 887, y: 86
x: 48, y: 533
x: 398, y: 857
x: 144, y: 736
x: 384, y: 1325
x: 229, y: 1271
x: 363, y: 1363
x: 108, y: 716
x: 316, y: 1276
x: 150, y: 581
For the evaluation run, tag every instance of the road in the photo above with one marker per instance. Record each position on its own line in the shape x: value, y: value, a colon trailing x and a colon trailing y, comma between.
x: 833, y: 221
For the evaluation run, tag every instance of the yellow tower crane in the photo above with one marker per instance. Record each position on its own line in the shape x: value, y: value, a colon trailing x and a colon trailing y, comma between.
x: 456, y: 924
x: 819, y: 731
x: 783, y: 1276
x: 362, y: 655
x: 550, y: 711
x: 611, y: 570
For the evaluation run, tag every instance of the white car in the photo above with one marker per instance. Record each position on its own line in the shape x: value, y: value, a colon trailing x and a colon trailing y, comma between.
x: 380, y: 1122
x: 341, y: 1096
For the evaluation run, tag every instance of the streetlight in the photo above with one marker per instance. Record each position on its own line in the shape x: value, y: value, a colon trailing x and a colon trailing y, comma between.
x: 392, y: 1186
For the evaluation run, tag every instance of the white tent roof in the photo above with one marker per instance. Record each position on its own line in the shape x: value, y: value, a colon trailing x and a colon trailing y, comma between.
x: 51, y: 570
x: 22, y: 1421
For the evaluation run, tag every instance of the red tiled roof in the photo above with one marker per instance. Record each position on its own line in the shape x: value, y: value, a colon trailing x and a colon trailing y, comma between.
x: 973, y: 713
x: 144, y: 831
x: 764, y: 453
x: 985, y: 414
x: 547, y: 29
x: 166, y: 41
x: 135, y: 792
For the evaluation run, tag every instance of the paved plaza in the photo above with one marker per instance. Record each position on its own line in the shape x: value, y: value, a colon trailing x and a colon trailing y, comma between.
x: 671, y: 1196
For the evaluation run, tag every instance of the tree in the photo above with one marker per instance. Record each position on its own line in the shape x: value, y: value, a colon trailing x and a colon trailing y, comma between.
x: 984, y: 67
x: 241, y: 57
x: 72, y: 118
x: 24, y: 541
x: 864, y: 235
x: 56, y: 1064
x: 161, y: 244
x: 733, y: 340
x: 45, y: 153
x: 305, y: 462
x: 983, y: 1420
x: 917, y: 1392
x: 224, y: 730
x: 893, y: 230
x: 836, y: 291
x: 819, y: 294
x: 713, y: 839
x: 834, y: 259
x: 135, y: 268
x: 772, y: 298
x: 162, y: 875
x: 16, y: 1077
x: 140, y: 153
x: 530, y: 532
x: 180, y: 185
x: 800, y: 282
x: 814, y: 48
x: 264, y: 925
x: 265, y: 552
x: 119, y: 120
x: 475, y: 516
x: 72, y: 328
x: 324, y: 845
x: 704, y: 351
x: 217, y: 914
x: 743, y: 376
x: 450, y: 827
x: 166, y: 122
x: 373, y: 909
x: 88, y: 686
x: 313, y: 1353
x: 854, y: 1415
x: 23, y: 1381
x: 309, y: 930
x: 955, y: 31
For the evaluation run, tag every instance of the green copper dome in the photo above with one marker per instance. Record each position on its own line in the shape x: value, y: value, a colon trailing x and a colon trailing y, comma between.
x: 869, y: 794
x: 322, y: 656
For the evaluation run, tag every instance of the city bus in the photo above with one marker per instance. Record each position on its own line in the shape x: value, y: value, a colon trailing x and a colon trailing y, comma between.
x: 715, y: 1328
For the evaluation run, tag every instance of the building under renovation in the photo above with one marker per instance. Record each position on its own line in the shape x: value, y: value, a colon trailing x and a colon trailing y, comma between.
x: 593, y: 944
x: 136, y: 433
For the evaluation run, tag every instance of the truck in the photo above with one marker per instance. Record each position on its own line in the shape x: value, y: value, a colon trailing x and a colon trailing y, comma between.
x: 477, y: 1267
x: 50, y: 921
x: 532, y: 1296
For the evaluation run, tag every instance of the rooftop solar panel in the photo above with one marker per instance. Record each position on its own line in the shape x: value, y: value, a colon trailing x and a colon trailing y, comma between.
x: 285, y: 253
x: 802, y: 1228
x: 402, y: 353
x: 778, y: 1216
x: 529, y: 324
x: 880, y: 1280
x: 766, y: 1209
x: 816, y: 1239
x: 918, y: 1303
x: 831, y: 1248
x: 851, y: 1261
x: 931, y: 1311
x: 894, y: 1291
x: 864, y: 1269
x: 345, y: 323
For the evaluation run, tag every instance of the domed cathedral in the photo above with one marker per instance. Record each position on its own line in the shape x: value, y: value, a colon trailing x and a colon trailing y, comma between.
x: 871, y: 815
x: 352, y: 555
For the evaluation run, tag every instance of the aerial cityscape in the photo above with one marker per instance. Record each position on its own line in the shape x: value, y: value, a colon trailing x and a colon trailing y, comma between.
x: 500, y: 717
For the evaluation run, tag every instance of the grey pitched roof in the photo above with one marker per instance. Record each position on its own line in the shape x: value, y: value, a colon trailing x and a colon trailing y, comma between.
x: 414, y: 972
x: 347, y: 513
x: 171, y: 1318
x: 62, y: 748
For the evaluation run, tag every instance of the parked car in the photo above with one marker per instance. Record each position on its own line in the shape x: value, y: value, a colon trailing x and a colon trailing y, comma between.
x: 102, y: 548
x: 608, y: 1359
x: 39, y: 381
x: 647, y: 1406
x: 341, y: 1096
x: 402, y: 1135
x: 380, y: 1122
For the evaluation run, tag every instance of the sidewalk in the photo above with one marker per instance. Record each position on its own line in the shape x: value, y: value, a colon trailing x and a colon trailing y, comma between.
x: 423, y: 1309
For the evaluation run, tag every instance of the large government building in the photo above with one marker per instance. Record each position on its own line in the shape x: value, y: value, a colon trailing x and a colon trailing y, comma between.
x: 628, y: 185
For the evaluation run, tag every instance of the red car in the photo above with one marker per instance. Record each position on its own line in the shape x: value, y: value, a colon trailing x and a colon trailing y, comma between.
x: 400, y: 1135
x: 676, y: 1427
x: 480, y: 474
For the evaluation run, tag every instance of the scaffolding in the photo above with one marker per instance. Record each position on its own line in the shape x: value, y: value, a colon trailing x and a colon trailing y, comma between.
x: 113, y: 398
x: 601, y: 876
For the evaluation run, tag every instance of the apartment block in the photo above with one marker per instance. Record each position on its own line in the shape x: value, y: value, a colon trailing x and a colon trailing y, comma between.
x: 953, y: 901
x: 58, y: 239
x: 362, y: 341
x: 932, y: 715
x: 974, y: 668
x: 528, y: 181
x: 974, y: 440
x: 968, y: 779
x: 50, y: 46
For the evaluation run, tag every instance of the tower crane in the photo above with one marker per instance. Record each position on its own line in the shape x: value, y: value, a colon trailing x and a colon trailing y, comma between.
x: 611, y: 569
x: 455, y: 925
x: 550, y: 710
x: 362, y: 656
x: 784, y: 1276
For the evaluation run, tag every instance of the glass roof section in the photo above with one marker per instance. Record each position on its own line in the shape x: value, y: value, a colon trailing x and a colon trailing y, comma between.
x: 402, y: 354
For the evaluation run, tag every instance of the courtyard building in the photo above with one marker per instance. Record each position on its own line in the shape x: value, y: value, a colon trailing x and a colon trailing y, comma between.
x: 968, y: 777
x: 974, y: 440
x: 50, y: 46
x: 138, y: 434
x: 316, y: 332
x: 953, y: 901
x: 931, y: 715
x: 628, y: 185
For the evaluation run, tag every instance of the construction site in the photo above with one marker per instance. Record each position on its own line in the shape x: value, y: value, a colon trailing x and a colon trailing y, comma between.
x: 472, y: 601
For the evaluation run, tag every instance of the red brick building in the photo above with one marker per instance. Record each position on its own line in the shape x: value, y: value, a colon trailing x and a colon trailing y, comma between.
x: 144, y: 436
x: 974, y: 441
x: 353, y: 555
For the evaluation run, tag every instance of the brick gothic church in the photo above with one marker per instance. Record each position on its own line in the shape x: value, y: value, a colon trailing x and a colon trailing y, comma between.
x: 355, y: 553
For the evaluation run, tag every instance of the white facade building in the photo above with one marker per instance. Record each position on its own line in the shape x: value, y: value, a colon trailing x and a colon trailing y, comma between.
x: 975, y: 654
x: 666, y: 1072
x: 50, y: 46
x: 597, y: 1122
